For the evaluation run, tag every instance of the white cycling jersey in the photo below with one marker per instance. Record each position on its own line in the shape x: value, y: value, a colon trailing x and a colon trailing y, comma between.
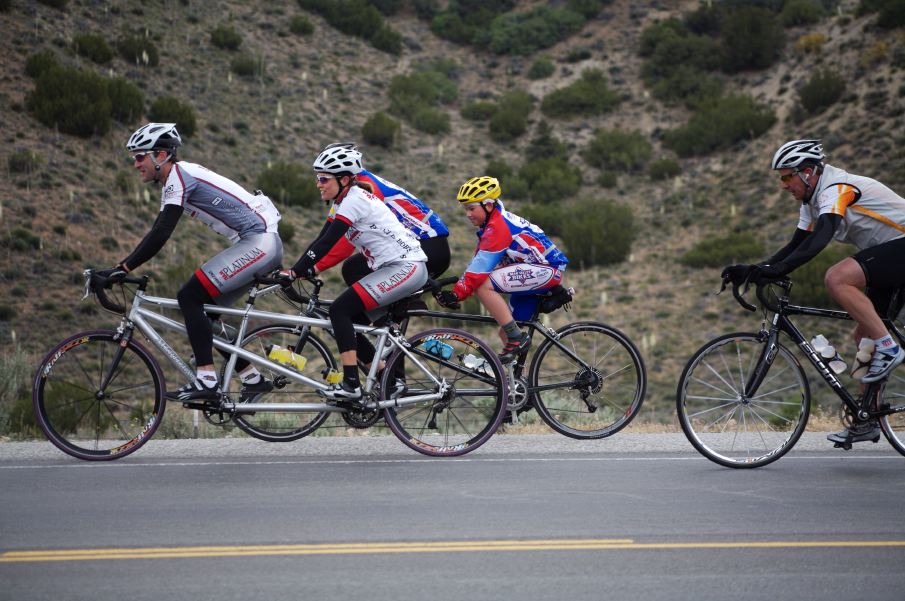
x: 871, y: 213
x: 222, y: 204
x: 374, y: 230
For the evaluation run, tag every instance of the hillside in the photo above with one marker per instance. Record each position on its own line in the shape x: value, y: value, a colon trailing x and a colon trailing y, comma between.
x: 81, y: 204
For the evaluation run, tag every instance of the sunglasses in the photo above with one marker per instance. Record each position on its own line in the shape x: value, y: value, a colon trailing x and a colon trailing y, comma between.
x: 323, y: 179
x: 788, y: 176
x: 139, y: 157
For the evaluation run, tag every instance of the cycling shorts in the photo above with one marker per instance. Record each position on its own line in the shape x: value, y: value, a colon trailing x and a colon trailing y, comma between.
x: 882, y: 266
x: 230, y: 274
x: 390, y: 283
x: 523, y: 282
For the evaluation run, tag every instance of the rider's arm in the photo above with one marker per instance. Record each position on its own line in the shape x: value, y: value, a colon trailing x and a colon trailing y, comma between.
x: 491, y: 250
x: 155, y: 239
x: 797, y: 238
x: 810, y: 246
x: 333, y: 231
x: 341, y: 251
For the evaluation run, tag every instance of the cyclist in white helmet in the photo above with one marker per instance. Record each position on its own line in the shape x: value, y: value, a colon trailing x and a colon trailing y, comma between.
x: 853, y: 209
x: 397, y: 266
x: 248, y: 220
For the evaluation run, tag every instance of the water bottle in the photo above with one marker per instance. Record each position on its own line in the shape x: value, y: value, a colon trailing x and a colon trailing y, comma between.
x: 828, y: 352
x: 287, y: 357
x: 478, y: 364
x: 440, y: 349
x: 862, y: 360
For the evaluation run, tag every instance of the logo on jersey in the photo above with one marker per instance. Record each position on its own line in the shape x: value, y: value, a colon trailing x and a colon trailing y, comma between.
x: 216, y: 201
x: 169, y: 191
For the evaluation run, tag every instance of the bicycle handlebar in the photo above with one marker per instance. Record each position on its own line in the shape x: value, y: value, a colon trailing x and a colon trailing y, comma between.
x: 98, y: 285
x: 761, y: 287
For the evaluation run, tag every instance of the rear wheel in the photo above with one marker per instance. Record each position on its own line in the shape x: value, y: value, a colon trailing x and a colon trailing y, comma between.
x: 593, y: 392
x: 97, y: 399
x: 468, y: 376
x: 277, y: 426
x: 735, y: 428
x: 893, y: 426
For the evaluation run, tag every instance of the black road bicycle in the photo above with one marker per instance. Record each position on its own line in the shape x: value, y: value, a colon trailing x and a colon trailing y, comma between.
x: 743, y: 399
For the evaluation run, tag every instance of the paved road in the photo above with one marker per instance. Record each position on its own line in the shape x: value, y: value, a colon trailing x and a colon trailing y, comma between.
x: 540, y: 517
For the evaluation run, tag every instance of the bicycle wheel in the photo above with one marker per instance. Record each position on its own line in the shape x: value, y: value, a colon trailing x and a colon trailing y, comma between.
x: 471, y: 409
x: 592, y: 398
x: 277, y: 426
x: 732, y: 428
x: 893, y: 426
x: 96, y: 399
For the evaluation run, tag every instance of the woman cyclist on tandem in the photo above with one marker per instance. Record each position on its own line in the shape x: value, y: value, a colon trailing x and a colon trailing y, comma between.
x: 397, y: 267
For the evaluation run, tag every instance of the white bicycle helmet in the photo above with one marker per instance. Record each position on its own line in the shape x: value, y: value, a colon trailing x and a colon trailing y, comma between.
x: 338, y: 159
x: 792, y: 154
x: 155, y: 136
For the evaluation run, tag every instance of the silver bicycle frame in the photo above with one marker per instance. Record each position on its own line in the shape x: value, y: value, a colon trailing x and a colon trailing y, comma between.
x: 142, y: 317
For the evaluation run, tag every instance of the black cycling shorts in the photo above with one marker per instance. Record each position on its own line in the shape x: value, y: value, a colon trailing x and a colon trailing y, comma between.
x: 884, y: 270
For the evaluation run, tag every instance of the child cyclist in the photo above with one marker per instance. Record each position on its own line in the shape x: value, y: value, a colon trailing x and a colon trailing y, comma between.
x: 514, y: 256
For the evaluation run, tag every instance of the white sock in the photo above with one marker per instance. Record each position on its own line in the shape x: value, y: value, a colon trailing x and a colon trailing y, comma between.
x: 250, y: 375
x: 887, y: 345
x: 207, y: 377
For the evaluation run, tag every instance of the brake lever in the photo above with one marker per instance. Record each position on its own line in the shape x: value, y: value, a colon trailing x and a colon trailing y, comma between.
x: 87, y: 273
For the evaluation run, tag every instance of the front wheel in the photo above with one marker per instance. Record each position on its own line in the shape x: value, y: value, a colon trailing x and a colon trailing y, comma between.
x: 285, y: 426
x: 96, y: 398
x: 727, y: 421
x: 588, y: 382
x: 467, y: 375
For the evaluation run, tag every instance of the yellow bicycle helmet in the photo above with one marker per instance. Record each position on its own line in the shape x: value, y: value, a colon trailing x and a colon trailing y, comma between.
x: 479, y: 189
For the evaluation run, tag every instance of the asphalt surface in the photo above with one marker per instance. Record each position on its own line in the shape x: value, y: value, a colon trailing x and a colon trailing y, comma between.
x: 636, y: 516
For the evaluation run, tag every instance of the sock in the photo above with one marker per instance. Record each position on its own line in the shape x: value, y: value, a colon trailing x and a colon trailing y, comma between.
x: 207, y: 377
x: 887, y: 345
x: 512, y: 330
x: 350, y: 375
x: 250, y: 376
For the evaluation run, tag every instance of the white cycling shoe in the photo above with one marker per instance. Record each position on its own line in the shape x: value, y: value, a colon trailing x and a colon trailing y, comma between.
x: 881, y: 364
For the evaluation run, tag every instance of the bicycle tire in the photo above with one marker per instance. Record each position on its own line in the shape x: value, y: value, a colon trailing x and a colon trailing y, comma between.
x: 467, y: 417
x: 725, y: 426
x: 289, y: 426
x: 595, y: 403
x: 893, y: 426
x: 88, y: 422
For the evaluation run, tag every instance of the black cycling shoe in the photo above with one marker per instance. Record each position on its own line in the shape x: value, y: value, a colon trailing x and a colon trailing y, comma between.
x: 250, y: 391
x: 196, y: 390
x: 515, y: 347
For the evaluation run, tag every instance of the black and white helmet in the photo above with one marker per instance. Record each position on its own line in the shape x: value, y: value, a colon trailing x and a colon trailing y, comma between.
x: 341, y: 158
x: 155, y: 136
x: 792, y: 154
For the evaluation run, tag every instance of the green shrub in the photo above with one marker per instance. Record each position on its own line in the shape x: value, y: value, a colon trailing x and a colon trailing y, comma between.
x: 664, y: 168
x: 751, y: 38
x: 39, y: 62
x: 286, y: 231
x: 358, y: 18
x: 92, y: 46
x: 461, y: 21
x: 126, y: 100
x: 800, y: 12
x: 245, y: 65
x: 544, y: 145
x: 430, y: 120
x: 23, y: 161
x: 380, y: 130
x: 669, y: 44
x: 478, y: 110
x: 548, y: 216
x: 541, y: 68
x: 138, y: 50
x: 387, y: 7
x: 425, y: 87
x: 168, y: 109
x: 14, y: 385
x: 688, y: 85
x: 587, y: 96
x: 822, y: 91
x: 524, y: 33
x: 498, y: 168
x: 597, y: 232
x: 300, y: 25
x: 425, y: 10
x: 21, y: 238
x: 577, y: 55
x: 618, y: 150
x: 892, y: 14
x: 72, y: 100
x: 510, y: 120
x: 226, y: 38
x: 551, y: 179
x: 721, y: 251
x: 718, y: 124
x: 810, y: 288
x: 289, y: 184
x: 55, y: 3
x: 5, y: 5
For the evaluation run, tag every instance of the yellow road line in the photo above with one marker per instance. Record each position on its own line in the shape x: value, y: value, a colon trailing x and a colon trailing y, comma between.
x: 410, y: 547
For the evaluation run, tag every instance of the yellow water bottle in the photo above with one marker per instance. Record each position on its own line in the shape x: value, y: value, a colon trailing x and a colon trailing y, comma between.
x: 287, y: 357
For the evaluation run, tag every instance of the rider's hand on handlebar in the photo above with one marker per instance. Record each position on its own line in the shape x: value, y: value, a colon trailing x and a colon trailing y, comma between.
x: 738, y: 274
x: 113, y: 275
x: 284, y: 276
x: 769, y: 273
x: 448, y: 299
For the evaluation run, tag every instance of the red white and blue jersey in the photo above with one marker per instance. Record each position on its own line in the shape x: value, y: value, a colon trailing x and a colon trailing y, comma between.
x: 504, y: 240
x: 409, y: 210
